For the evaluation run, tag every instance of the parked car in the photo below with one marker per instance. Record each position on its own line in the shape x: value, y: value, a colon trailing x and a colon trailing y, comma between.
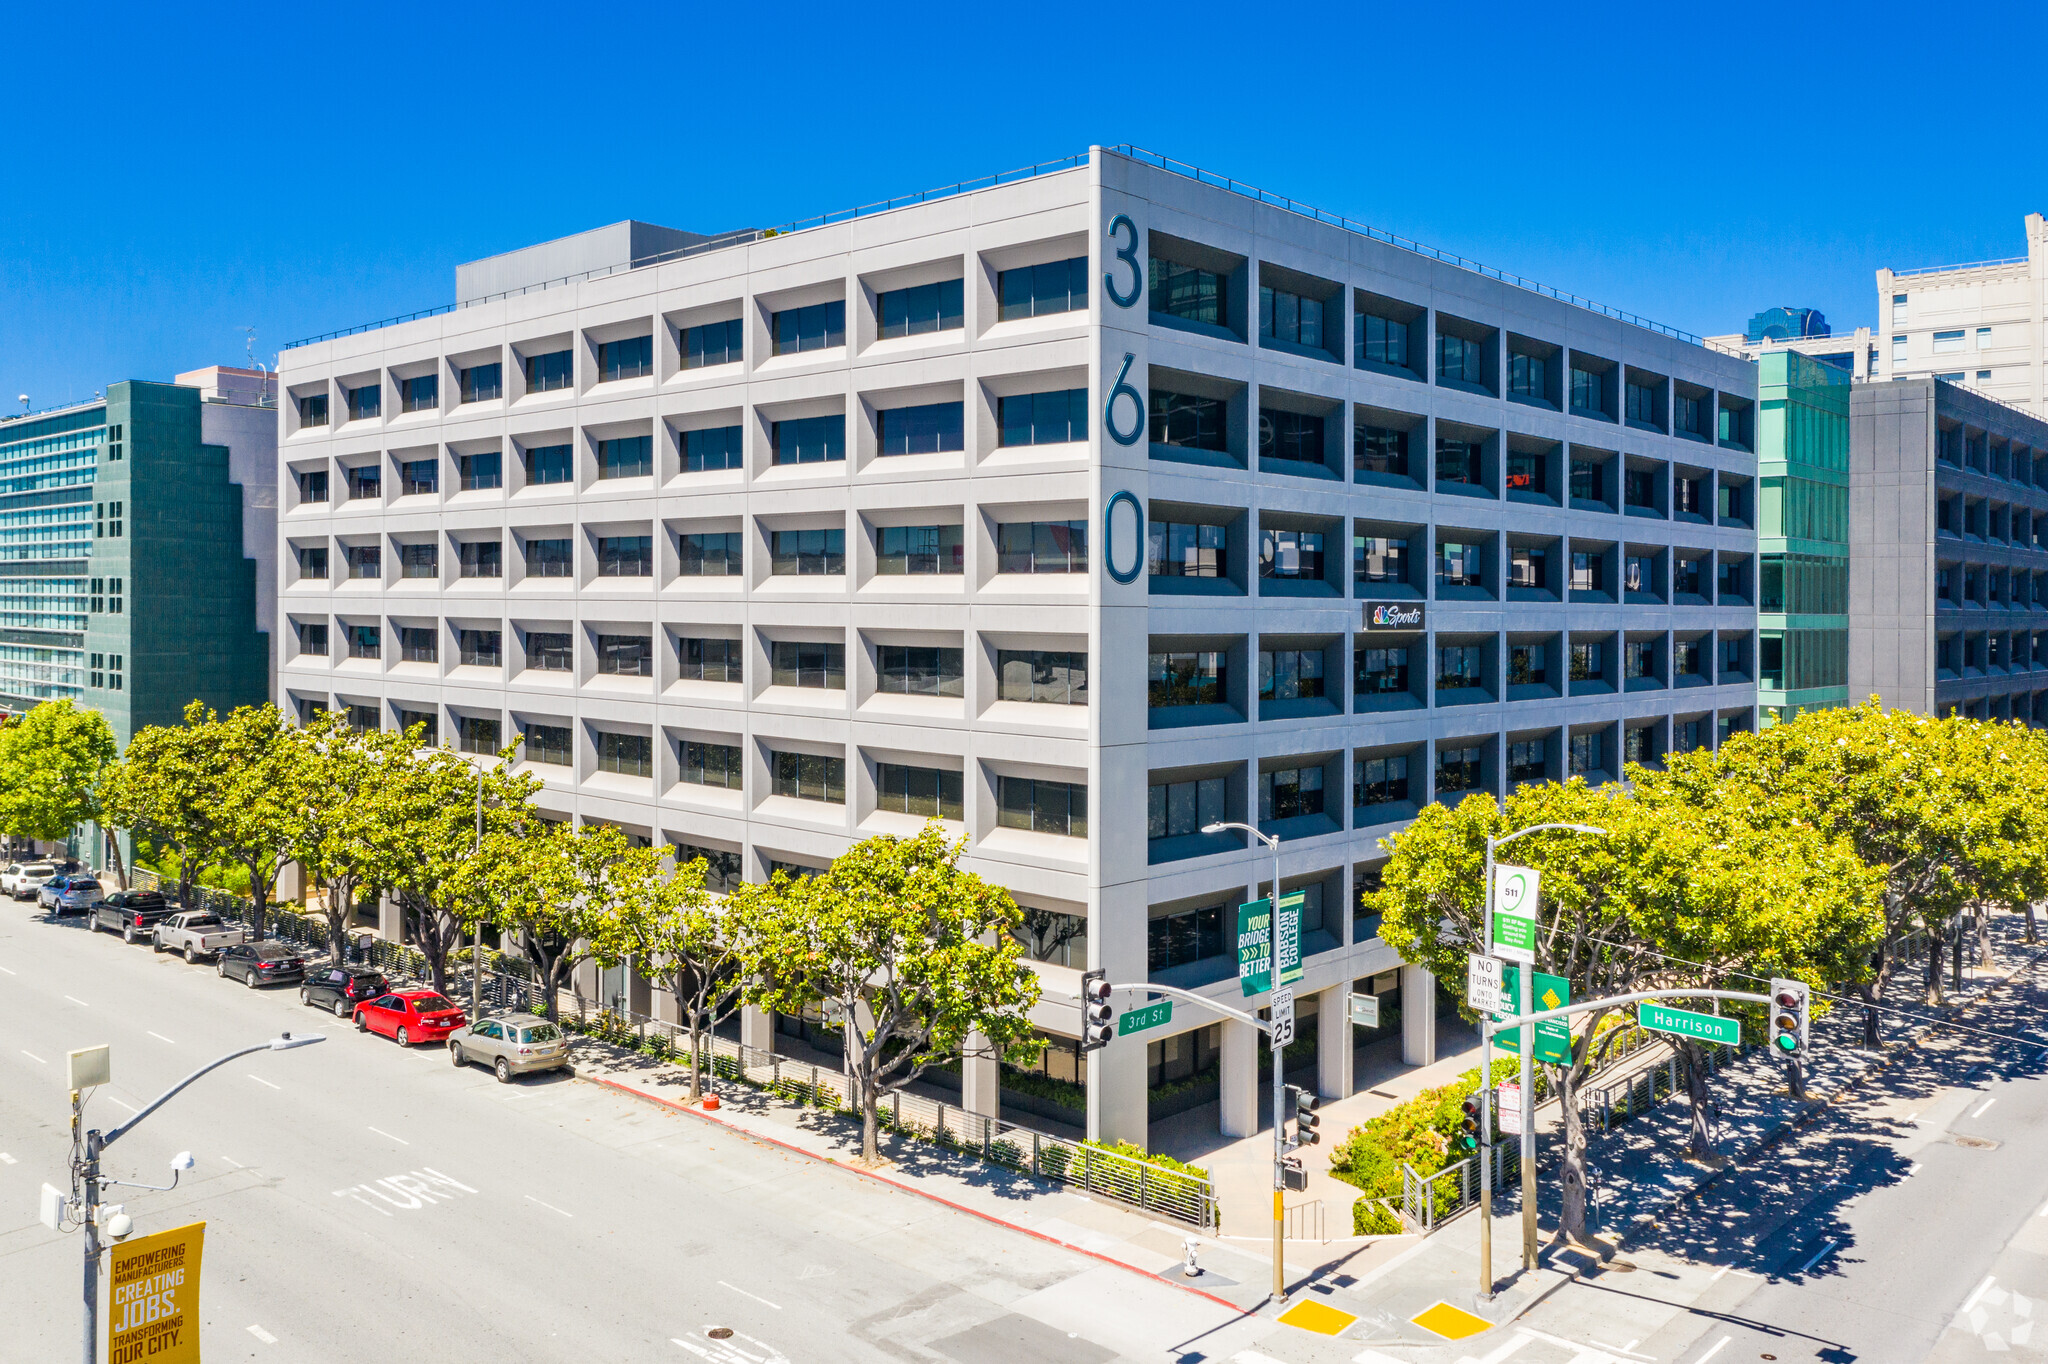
x: 410, y: 1016
x: 260, y: 963
x: 134, y: 914
x: 517, y: 1044
x: 23, y: 879
x: 195, y: 932
x: 341, y: 988
x: 71, y: 893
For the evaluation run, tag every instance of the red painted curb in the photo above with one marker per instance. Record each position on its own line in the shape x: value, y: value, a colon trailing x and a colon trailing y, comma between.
x: 914, y: 1190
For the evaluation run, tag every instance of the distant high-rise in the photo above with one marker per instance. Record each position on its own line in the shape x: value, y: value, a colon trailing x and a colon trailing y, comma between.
x: 1780, y: 324
x: 1978, y: 325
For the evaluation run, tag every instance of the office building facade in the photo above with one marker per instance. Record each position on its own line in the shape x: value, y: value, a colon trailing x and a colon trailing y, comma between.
x: 1978, y: 326
x: 1803, y: 535
x: 1079, y: 511
x: 1948, y: 565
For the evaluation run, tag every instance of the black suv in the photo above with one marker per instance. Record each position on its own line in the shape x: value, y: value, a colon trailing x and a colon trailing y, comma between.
x: 260, y: 963
x: 341, y: 988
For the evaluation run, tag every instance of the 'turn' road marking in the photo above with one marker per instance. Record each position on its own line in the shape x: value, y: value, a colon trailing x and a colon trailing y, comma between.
x: 261, y: 1081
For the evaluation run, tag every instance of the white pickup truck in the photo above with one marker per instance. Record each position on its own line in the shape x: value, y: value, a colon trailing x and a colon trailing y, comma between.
x: 195, y: 932
x: 24, y: 879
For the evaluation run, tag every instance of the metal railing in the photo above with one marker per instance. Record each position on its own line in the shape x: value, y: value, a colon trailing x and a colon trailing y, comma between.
x: 1646, y: 1088
x: 1966, y: 265
x: 1428, y: 1201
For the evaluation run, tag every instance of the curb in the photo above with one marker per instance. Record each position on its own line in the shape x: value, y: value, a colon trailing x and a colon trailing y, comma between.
x: 913, y: 1190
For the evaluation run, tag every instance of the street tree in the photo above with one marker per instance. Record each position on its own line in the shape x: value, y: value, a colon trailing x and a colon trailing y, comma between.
x: 256, y: 763
x: 686, y: 939
x: 166, y: 791
x: 345, y: 777
x: 52, y: 761
x: 916, y: 956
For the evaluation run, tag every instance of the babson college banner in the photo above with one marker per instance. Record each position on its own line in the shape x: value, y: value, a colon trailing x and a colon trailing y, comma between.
x: 153, y: 1298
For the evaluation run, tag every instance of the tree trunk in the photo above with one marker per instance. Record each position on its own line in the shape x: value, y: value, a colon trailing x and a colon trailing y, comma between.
x: 1956, y: 933
x: 2030, y: 922
x: 121, y: 867
x: 1706, y: 1114
x: 259, y: 899
x: 696, y: 1062
x: 1571, y: 1220
x: 1934, y: 955
x: 1984, y: 957
x: 870, y: 1121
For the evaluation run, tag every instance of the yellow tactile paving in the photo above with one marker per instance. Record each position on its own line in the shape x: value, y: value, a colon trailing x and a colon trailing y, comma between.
x: 1318, y: 1317
x: 1450, y: 1322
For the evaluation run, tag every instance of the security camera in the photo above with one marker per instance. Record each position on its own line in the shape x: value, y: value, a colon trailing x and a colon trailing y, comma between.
x: 182, y: 1161
x: 120, y: 1225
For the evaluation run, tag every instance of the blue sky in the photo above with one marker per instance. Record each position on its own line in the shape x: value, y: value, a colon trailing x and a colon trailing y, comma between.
x: 176, y: 177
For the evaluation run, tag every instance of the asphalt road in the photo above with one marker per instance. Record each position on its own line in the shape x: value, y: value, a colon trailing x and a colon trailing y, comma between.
x: 366, y: 1202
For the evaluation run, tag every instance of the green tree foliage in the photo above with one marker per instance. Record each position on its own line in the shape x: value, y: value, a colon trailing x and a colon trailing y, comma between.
x: 684, y: 938
x: 51, y: 764
x: 347, y: 782
x: 916, y: 956
x: 558, y: 894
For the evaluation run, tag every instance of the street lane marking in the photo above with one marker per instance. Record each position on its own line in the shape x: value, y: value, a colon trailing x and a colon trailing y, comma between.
x: 261, y: 1081
x: 552, y: 1208
x: 2, y: 968
x: 1819, y: 1255
x: 418, y: 1189
x: 1912, y: 1169
x: 33, y: 1057
x: 741, y: 1291
x: 1989, y: 1279
x: 2043, y: 1212
x: 1731, y: 1269
x: 1986, y: 1104
x: 6, y: 1159
x: 263, y: 1335
x: 236, y: 1163
x: 382, y: 1133
x: 79, y: 1002
x: 1716, y: 1350
x: 124, y: 1103
x: 161, y: 1038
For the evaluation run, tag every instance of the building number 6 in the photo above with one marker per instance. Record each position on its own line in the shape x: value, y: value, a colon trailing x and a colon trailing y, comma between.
x: 1120, y: 389
x: 1128, y: 254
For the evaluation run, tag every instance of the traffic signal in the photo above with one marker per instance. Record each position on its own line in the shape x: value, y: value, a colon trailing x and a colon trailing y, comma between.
x: 1789, y: 1008
x: 1472, y: 1130
x: 1306, y: 1119
x: 1097, y: 1018
x: 1293, y: 1174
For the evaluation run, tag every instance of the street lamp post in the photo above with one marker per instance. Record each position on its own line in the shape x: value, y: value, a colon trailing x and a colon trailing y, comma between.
x: 476, y: 951
x: 87, y: 1171
x: 1279, y: 1062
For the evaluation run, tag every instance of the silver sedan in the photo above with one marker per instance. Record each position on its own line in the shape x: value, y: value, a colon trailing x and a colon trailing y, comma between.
x: 516, y: 1044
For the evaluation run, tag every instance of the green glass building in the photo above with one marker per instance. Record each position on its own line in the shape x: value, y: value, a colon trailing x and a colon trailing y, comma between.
x: 1802, y: 535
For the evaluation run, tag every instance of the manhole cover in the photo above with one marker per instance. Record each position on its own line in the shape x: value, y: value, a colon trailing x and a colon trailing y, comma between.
x: 1977, y: 1143
x: 720, y: 1333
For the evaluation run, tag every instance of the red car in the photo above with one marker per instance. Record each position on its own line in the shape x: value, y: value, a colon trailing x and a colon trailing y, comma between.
x: 410, y: 1016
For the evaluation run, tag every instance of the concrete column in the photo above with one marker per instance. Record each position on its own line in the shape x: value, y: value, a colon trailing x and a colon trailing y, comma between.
x: 639, y: 991
x: 1239, y: 1116
x: 1418, y: 1016
x: 1118, y: 1092
x: 980, y: 1077
x: 390, y: 920
x: 1333, y: 1043
x: 757, y: 1028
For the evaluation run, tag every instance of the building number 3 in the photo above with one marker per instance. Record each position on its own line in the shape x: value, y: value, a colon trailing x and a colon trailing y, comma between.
x: 1128, y: 254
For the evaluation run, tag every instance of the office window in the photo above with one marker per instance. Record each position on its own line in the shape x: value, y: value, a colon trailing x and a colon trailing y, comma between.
x: 1728, y: 581
x: 419, y: 477
x: 1291, y: 554
x: 1528, y: 666
x: 481, y: 472
x: 1948, y: 377
x: 710, y: 765
x: 1379, y: 559
x: 722, y: 871
x: 920, y: 310
x: 422, y: 394
x: 550, y: 651
x: 1529, y: 377
x: 481, y: 383
x: 481, y: 648
x: 1182, y: 939
x: 1529, y: 473
x: 808, y: 440
x: 1059, y: 286
x: 1898, y: 350
x: 312, y: 637
x: 1379, y: 672
x: 550, y: 559
x: 820, y: 666
x: 629, y: 755
x: 546, y: 744
x: 1177, y: 809
x: 806, y: 776
x: 1589, y: 391
x: 1685, y: 413
x: 1460, y: 461
x: 1379, y: 340
x: 1898, y: 308
x: 313, y: 410
x: 312, y: 561
x: 113, y: 672
x: 1055, y: 418
x: 1198, y: 678
x: 313, y: 486
x: 817, y: 327
x: 1730, y: 503
x: 932, y: 792
x: 711, y: 448
x: 366, y: 481
x: 625, y: 556
x: 419, y: 561
x: 716, y: 554
x: 1983, y: 338
x: 1188, y: 292
x: 1638, y: 745
x: 1290, y: 436
x: 1180, y: 550
x: 363, y: 719
x: 1687, y: 494
x: 625, y: 655
x: 714, y: 343
x: 1638, y: 573
x: 1588, y: 481
x: 1188, y: 421
x: 1460, y: 359
x: 1642, y: 403
x: 1948, y: 343
x: 1042, y: 547
x: 1527, y: 760
x: 1042, y: 677
x: 1588, y: 571
x: 1588, y: 754
x: 1460, y: 666
x: 1379, y: 781
x: 1588, y: 663
x: 914, y: 670
x: 934, y: 428
x: 806, y: 553
x: 550, y: 464
x: 546, y: 373
x: 366, y: 402
x: 631, y: 358
x: 1380, y: 450
x: 1290, y: 674
x: 1983, y: 376
x: 1685, y: 576
x: 1639, y: 659
x: 366, y: 561
x: 98, y: 594
x: 710, y: 660
x: 1048, y: 807
x: 365, y: 641
x: 1458, y: 769
x: 1290, y: 792
x: 1285, y: 316
x: 1525, y: 566
x: 1460, y: 565
x: 626, y: 457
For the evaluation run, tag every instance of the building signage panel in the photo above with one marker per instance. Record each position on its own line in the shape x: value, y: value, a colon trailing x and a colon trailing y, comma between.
x: 1394, y: 615
x: 1483, y: 984
x: 1514, y: 913
x: 1364, y: 1010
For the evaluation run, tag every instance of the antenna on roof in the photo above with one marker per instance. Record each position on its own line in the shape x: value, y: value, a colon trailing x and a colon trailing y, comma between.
x: 24, y: 404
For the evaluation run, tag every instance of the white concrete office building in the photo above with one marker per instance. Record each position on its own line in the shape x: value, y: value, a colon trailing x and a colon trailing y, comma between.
x: 1078, y: 510
x: 1983, y: 326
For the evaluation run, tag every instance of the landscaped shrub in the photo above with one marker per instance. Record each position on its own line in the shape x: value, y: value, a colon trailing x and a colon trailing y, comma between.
x: 1416, y: 1133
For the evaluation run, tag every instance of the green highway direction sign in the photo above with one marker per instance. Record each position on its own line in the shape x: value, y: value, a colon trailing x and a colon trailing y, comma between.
x: 1255, y: 943
x: 1151, y: 1016
x: 1553, y: 1035
x: 1685, y: 1023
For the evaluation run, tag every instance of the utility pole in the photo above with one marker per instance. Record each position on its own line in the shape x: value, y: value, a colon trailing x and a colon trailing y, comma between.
x: 476, y: 951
